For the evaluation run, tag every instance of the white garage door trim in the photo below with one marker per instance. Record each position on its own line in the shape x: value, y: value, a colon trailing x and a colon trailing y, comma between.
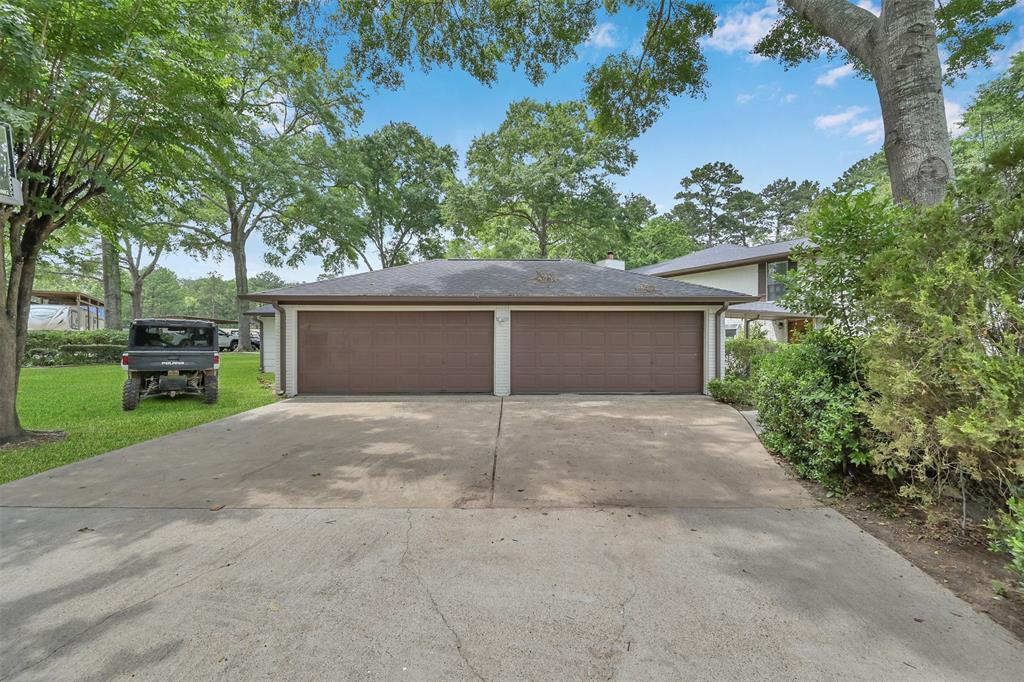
x: 502, y: 333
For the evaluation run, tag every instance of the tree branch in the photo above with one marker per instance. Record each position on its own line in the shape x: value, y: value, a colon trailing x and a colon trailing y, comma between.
x: 843, y: 21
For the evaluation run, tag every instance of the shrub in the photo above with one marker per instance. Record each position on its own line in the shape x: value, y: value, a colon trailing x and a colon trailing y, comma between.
x: 741, y: 354
x: 945, y: 364
x: 1008, y: 536
x: 732, y: 390
x: 808, y: 397
x: 49, y: 348
x: 89, y: 354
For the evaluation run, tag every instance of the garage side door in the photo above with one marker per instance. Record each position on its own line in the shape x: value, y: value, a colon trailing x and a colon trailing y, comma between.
x: 395, y: 352
x: 581, y: 352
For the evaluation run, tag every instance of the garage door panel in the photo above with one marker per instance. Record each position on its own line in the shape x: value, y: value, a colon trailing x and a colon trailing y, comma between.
x: 607, y: 351
x: 395, y: 352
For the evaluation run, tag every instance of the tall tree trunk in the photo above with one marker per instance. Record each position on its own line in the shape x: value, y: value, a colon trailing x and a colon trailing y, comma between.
x: 10, y: 426
x: 908, y: 77
x: 111, y: 284
x: 901, y: 51
x: 241, y: 287
x: 14, y: 323
x: 137, y: 298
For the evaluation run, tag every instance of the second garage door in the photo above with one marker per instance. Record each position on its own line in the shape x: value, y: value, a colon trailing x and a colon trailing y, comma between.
x: 581, y: 352
x: 396, y: 352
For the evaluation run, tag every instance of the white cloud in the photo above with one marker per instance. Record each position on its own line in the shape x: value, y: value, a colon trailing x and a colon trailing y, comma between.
x: 852, y: 122
x: 871, y: 130
x: 954, y: 116
x: 829, y: 121
x: 831, y: 77
x: 603, y: 36
x: 745, y: 97
x: 789, y: 97
x: 741, y: 28
x: 869, y: 6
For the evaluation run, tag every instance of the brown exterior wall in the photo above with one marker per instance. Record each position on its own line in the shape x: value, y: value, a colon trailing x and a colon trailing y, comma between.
x: 395, y: 352
x: 607, y: 352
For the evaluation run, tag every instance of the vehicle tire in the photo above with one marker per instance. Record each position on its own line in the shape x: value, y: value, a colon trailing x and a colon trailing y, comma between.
x: 210, y: 390
x: 233, y: 347
x: 130, y: 394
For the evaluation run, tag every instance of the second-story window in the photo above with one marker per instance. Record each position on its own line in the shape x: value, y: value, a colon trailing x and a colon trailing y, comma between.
x: 775, y: 289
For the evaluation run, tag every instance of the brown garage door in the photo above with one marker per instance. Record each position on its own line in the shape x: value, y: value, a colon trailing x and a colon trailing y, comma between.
x: 581, y: 352
x: 396, y: 352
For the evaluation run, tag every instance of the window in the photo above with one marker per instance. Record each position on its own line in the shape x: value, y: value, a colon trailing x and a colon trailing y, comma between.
x: 173, y: 337
x: 774, y: 288
x: 730, y: 332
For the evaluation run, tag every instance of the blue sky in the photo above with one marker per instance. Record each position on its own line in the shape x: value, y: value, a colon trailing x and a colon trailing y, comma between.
x: 811, y: 122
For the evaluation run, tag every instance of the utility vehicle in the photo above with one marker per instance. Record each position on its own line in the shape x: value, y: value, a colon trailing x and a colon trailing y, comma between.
x: 170, y: 357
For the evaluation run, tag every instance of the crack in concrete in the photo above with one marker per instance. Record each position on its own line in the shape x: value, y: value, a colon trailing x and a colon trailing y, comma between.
x: 433, y: 602
x: 494, y: 461
x: 128, y: 607
x: 617, y: 642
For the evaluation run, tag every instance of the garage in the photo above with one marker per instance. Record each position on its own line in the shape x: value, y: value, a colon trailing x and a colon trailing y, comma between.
x: 395, y: 352
x: 497, y: 326
x: 607, y: 352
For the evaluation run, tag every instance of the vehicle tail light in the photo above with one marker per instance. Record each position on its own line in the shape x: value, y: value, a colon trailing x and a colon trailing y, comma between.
x: 124, y: 361
x: 216, y: 360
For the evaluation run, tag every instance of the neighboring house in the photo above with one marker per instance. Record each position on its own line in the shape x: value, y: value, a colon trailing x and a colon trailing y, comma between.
x: 747, y: 269
x: 495, y: 326
x: 65, y: 310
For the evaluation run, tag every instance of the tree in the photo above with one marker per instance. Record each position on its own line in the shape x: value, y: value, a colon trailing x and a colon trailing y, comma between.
x: 899, y: 50
x: 284, y: 98
x: 111, y: 284
x: 139, y: 254
x: 660, y: 238
x: 784, y: 200
x: 706, y: 192
x: 544, y: 173
x: 382, y: 203
x: 869, y: 174
x: 136, y: 224
x: 163, y: 294
x: 265, y: 281
x: 94, y: 92
x: 402, y: 176
x: 743, y: 220
x: 995, y: 117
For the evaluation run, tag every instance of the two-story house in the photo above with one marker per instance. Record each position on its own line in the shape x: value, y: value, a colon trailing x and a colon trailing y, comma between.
x: 747, y: 269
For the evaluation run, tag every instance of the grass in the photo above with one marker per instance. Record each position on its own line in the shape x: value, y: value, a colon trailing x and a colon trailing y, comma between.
x: 86, y: 403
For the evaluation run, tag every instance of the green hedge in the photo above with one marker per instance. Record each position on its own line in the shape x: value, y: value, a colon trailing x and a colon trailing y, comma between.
x: 809, y: 403
x: 52, y: 348
x: 741, y: 354
x: 733, y: 390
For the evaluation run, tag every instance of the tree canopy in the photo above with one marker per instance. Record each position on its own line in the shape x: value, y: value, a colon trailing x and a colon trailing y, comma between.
x: 542, y: 180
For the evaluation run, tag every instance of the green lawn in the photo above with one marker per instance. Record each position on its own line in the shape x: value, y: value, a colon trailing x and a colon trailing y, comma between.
x: 86, y: 403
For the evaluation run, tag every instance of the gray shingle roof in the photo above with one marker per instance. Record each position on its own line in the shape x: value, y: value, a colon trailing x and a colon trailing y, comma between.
x: 721, y: 255
x: 766, y: 309
x: 261, y: 311
x: 500, y: 280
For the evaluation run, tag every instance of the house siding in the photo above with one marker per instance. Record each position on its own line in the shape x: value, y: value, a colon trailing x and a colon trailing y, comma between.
x: 502, y: 334
x: 742, y: 278
x: 268, y: 343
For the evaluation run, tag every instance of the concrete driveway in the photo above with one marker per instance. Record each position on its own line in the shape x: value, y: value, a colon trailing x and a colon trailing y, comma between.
x: 463, y: 538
